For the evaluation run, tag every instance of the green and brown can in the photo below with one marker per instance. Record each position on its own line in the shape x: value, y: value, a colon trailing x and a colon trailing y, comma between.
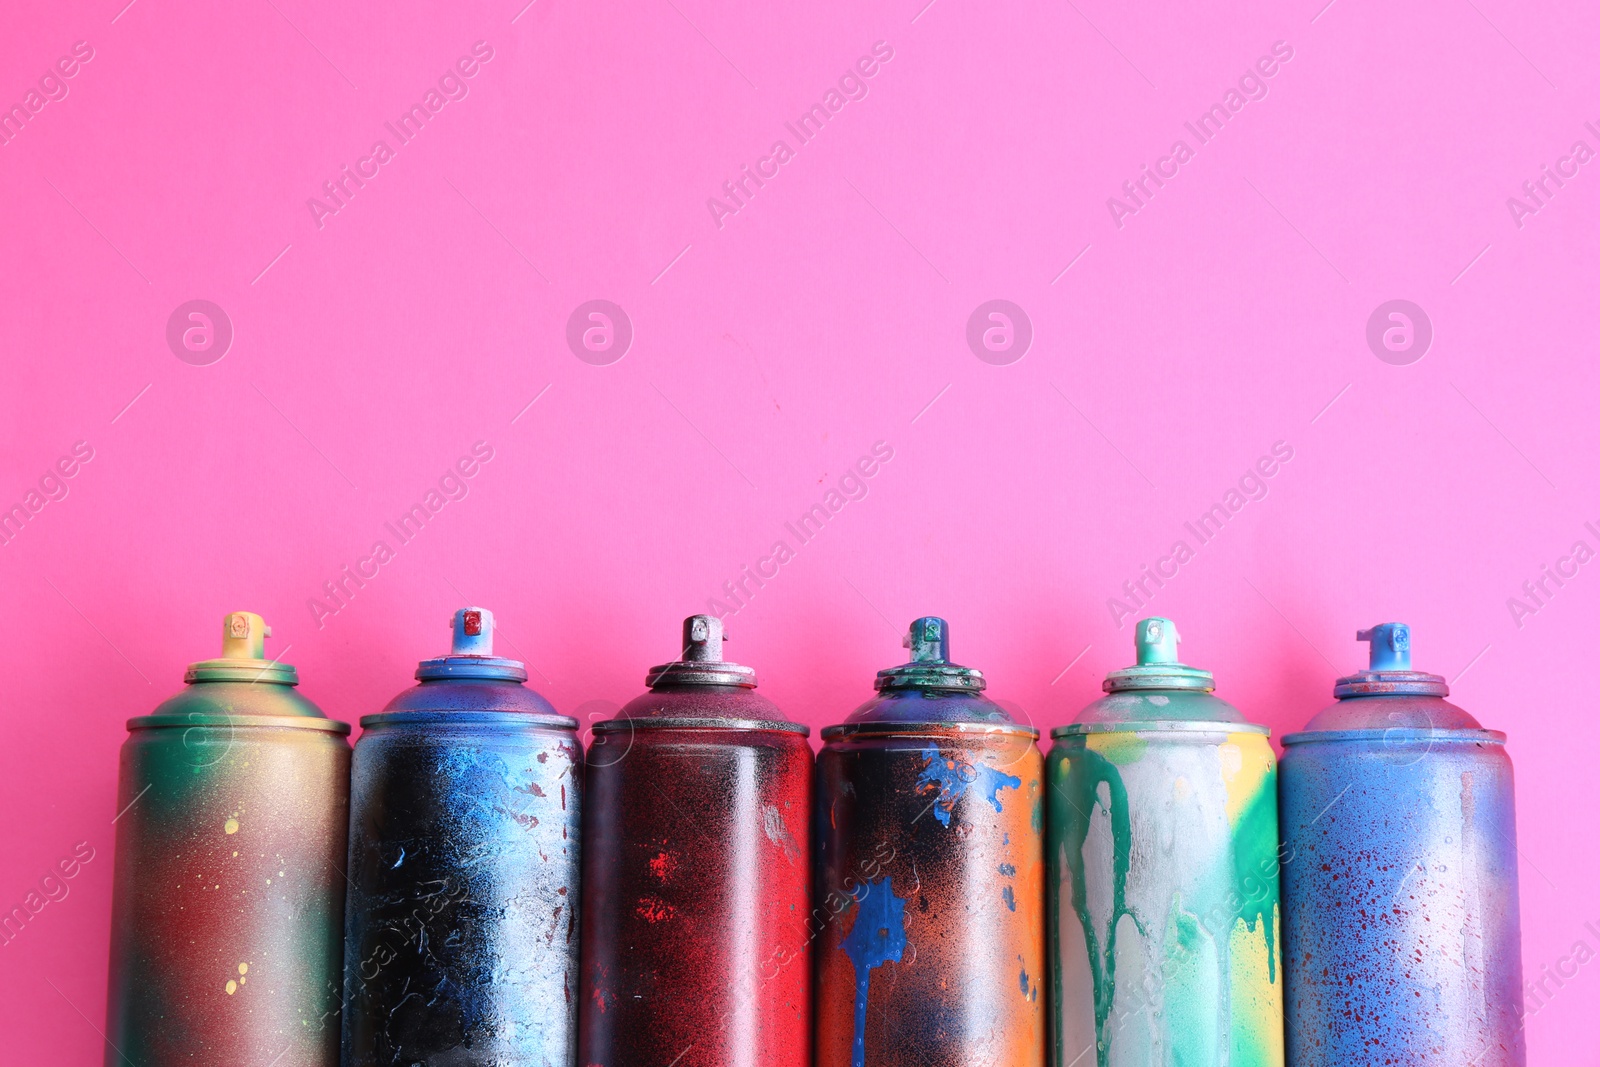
x: 228, y: 905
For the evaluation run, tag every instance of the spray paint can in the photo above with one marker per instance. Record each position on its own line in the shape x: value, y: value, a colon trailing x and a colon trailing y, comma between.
x: 461, y: 932
x: 1163, y: 892
x: 930, y: 874
x: 228, y: 901
x: 1402, y: 938
x: 696, y: 868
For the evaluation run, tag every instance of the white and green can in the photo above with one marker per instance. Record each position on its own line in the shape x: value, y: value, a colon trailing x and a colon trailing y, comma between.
x: 1162, y: 859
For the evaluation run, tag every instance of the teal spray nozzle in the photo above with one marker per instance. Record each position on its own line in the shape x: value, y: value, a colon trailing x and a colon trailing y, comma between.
x: 928, y: 640
x: 1156, y: 666
x: 1156, y: 641
x: 929, y: 666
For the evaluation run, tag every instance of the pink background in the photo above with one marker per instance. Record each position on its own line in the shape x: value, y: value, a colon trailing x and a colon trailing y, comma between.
x: 769, y: 354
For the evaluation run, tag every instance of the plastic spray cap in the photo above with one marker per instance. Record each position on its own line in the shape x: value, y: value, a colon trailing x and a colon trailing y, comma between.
x: 930, y: 666
x: 471, y: 653
x: 701, y: 662
x: 1156, y: 641
x: 1390, y: 646
x: 244, y: 656
x: 1389, y: 671
x: 1156, y: 664
x: 472, y: 632
x: 244, y: 636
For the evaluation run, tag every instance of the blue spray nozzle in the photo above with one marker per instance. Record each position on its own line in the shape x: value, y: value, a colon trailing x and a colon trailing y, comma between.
x: 472, y: 632
x: 1390, y: 646
x: 1156, y: 641
x: 929, y: 640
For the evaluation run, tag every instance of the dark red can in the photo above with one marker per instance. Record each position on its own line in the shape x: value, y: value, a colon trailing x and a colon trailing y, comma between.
x: 696, y: 874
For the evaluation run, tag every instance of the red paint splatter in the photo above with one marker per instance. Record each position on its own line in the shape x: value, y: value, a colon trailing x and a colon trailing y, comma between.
x: 663, y: 865
x: 652, y: 910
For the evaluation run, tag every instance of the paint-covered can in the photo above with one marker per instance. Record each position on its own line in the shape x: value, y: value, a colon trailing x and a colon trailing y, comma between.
x: 696, y: 869
x: 1163, y: 860
x: 930, y: 874
x: 228, y: 902
x: 1402, y: 940
x: 461, y: 930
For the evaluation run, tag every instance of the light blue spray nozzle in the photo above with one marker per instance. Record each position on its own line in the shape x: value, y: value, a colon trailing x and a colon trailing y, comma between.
x: 1390, y: 646
x: 472, y: 632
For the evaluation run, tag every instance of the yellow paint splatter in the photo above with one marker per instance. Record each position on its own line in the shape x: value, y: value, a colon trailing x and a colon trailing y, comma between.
x: 1246, y: 763
x: 231, y: 827
x: 232, y: 987
x: 1121, y: 747
x: 244, y: 968
x: 1255, y: 1002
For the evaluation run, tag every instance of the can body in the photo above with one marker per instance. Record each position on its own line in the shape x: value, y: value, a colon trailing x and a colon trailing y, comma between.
x: 695, y: 896
x: 462, y: 926
x: 1400, y: 899
x: 228, y: 906
x: 930, y: 896
x: 1164, y: 906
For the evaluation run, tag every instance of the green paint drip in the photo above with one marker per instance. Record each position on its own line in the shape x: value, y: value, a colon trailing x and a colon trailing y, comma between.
x: 1076, y: 794
x: 1255, y: 865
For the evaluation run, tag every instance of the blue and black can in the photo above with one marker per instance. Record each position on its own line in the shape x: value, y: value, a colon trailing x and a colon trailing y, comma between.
x: 461, y: 932
x: 1401, y: 932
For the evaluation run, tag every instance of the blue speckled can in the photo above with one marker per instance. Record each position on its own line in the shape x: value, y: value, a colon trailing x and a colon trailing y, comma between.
x: 461, y: 932
x: 1401, y: 932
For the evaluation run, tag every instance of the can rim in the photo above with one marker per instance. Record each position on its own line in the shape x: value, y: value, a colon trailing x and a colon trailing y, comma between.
x: 613, y: 726
x: 278, y: 722
x: 926, y: 728
x: 1396, y: 733
x: 531, y: 720
x: 1156, y: 726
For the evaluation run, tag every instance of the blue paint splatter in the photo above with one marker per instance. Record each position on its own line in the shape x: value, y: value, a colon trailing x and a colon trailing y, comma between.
x: 878, y: 937
x: 1009, y: 897
x: 1008, y: 870
x: 953, y: 778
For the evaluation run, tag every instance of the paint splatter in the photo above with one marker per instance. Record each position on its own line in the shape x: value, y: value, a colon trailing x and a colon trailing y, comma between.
x: 1009, y: 897
x: 654, y: 911
x: 663, y: 864
x: 878, y: 937
x: 777, y: 832
x: 231, y: 826
x: 952, y: 779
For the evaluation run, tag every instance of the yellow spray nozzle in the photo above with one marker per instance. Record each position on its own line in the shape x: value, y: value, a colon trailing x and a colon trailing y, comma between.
x: 244, y: 635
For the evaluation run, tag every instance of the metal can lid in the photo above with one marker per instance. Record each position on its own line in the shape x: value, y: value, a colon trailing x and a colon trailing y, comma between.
x: 1389, y: 670
x: 472, y: 652
x: 243, y: 658
x: 1155, y: 644
x: 930, y: 666
x: 701, y: 663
